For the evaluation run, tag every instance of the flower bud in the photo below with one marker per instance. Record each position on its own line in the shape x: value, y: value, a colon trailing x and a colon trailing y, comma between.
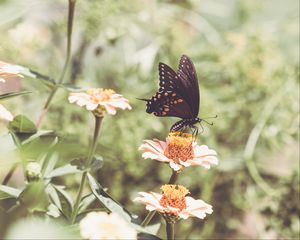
x: 33, y: 171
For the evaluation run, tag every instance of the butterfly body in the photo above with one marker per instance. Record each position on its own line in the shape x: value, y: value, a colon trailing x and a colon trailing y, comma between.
x: 185, y: 123
x: 178, y: 95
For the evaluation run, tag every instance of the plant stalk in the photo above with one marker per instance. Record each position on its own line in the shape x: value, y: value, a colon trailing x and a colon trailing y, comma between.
x: 151, y: 214
x: 170, y: 230
x: 63, y: 73
x: 98, y: 121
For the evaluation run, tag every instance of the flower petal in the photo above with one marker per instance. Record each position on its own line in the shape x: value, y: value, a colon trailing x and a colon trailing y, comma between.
x: 154, y: 150
x: 151, y: 200
x: 197, y: 208
x: 176, y: 167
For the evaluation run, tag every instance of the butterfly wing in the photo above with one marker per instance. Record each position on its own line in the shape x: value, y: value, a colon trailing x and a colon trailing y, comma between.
x: 189, y: 84
x: 169, y: 104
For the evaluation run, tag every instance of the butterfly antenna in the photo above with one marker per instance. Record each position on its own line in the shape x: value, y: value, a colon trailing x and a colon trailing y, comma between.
x: 210, y: 123
x: 142, y: 99
x: 211, y: 117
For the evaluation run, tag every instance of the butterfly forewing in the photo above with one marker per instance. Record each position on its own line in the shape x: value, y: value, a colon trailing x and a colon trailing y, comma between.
x: 188, y: 78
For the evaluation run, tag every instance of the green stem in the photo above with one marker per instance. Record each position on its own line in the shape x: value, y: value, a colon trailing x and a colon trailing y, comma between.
x: 170, y: 230
x: 151, y: 215
x: 92, y: 149
x: 69, y: 43
x: 9, y: 174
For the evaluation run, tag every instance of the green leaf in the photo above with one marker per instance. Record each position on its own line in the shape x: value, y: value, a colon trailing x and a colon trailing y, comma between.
x: 108, y: 201
x: 85, y: 202
x: 113, y: 206
x: 9, y: 192
x: 64, y: 170
x: 13, y: 94
x: 21, y: 124
x: 97, y: 163
x: 49, y: 82
x: 65, y: 200
x: 71, y: 87
x: 34, y: 197
x: 77, y: 166
x: 38, y: 135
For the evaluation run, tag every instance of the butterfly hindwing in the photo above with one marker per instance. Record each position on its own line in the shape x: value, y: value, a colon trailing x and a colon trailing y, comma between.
x: 188, y: 78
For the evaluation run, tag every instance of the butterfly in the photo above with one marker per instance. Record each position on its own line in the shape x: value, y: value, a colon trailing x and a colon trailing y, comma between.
x: 178, y: 95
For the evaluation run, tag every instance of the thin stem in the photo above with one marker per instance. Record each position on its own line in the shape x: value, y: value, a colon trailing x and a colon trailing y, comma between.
x: 174, y: 177
x: 9, y: 174
x: 69, y: 43
x: 92, y: 149
x: 151, y: 215
x: 170, y: 230
x: 14, y: 167
x: 148, y: 218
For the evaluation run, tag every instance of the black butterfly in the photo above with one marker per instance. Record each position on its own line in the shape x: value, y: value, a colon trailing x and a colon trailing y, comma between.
x: 178, y: 95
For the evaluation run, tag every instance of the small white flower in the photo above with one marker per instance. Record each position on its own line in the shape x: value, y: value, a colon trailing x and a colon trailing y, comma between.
x: 100, y: 225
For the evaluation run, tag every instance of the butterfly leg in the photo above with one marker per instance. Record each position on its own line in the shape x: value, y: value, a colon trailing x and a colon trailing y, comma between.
x: 194, y: 131
x: 202, y: 129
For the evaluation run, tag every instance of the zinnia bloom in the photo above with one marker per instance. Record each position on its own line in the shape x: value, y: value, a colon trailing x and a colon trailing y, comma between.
x: 100, y: 225
x: 98, y: 99
x: 5, y: 114
x: 9, y: 70
x: 174, y: 202
x: 179, y: 151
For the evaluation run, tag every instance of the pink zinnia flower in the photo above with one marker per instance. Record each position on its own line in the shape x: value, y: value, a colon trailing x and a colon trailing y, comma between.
x: 99, y: 99
x: 174, y: 203
x: 9, y: 70
x: 5, y: 114
x: 179, y: 151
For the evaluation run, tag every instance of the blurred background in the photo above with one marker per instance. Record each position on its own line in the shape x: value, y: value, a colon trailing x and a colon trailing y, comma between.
x: 246, y: 55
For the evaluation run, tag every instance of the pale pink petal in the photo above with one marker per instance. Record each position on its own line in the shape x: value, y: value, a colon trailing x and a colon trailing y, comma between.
x: 110, y: 109
x: 91, y: 106
x: 176, y: 167
x: 5, y: 114
x: 197, y: 208
x: 154, y: 150
x: 204, y: 157
x: 83, y: 99
x: 151, y: 200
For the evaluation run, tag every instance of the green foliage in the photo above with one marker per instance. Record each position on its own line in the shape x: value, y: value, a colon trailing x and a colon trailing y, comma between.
x: 246, y: 55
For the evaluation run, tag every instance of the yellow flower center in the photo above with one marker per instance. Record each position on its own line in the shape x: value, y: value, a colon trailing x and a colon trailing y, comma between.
x: 179, y: 146
x: 100, y: 95
x: 173, y: 196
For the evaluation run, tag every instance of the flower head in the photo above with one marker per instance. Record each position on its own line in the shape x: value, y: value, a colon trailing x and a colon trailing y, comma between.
x: 5, y: 114
x: 99, y: 100
x: 174, y: 203
x: 100, y: 225
x: 179, y: 150
x: 33, y: 171
x: 9, y: 70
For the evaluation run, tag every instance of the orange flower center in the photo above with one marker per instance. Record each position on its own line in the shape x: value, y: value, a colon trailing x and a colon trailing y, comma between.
x: 100, y: 95
x: 173, y: 196
x: 179, y: 146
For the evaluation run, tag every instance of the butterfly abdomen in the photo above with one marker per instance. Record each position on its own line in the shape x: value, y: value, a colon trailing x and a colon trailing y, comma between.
x: 184, y: 123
